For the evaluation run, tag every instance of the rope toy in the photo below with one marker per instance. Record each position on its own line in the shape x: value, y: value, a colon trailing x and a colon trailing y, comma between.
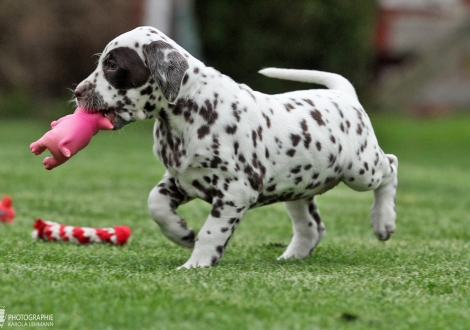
x: 52, y: 231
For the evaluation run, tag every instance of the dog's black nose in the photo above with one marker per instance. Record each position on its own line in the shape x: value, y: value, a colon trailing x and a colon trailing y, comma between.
x: 79, y: 91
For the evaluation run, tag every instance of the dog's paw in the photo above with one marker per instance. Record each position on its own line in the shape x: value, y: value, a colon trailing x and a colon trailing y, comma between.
x: 384, y: 232
x: 295, y: 253
x: 302, y: 247
x: 286, y: 256
x: 199, y: 263
x: 190, y: 266
x: 383, y: 222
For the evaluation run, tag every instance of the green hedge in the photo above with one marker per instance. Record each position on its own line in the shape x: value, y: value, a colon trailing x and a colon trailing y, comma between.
x: 241, y: 37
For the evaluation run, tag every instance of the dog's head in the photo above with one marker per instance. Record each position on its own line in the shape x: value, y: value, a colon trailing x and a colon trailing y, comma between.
x: 139, y: 73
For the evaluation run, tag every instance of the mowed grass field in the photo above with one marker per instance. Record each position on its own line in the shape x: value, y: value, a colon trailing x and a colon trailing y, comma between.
x: 420, y: 279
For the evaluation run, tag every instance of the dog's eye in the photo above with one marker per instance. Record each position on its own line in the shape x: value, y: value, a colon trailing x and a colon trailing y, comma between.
x: 112, y: 65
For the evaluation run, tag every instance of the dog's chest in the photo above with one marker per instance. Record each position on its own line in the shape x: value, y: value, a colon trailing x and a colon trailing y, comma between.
x: 168, y: 148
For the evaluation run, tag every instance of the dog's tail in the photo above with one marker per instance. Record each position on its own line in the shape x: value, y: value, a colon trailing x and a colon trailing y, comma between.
x: 331, y: 80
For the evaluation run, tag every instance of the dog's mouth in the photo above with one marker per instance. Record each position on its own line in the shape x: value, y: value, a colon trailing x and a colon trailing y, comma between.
x: 113, y: 116
x: 112, y: 113
x: 109, y: 113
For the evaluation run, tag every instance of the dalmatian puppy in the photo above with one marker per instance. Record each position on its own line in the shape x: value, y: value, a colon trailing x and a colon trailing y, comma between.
x: 236, y: 148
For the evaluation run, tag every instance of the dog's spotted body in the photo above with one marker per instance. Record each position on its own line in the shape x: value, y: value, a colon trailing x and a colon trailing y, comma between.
x: 237, y: 148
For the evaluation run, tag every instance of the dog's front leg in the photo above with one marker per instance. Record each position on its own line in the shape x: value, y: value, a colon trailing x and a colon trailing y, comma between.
x: 163, y: 201
x: 216, y: 232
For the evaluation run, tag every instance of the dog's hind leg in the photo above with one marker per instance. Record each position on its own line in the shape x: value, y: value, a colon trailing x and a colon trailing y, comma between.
x: 383, y: 214
x: 307, y: 227
x: 382, y: 178
x: 163, y: 201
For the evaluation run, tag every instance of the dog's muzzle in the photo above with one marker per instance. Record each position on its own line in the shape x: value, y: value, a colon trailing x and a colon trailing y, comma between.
x: 84, y: 100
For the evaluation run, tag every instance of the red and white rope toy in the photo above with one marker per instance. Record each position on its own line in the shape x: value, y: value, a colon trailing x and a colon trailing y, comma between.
x: 52, y: 231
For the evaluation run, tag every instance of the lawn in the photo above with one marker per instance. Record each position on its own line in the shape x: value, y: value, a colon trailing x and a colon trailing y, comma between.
x: 420, y: 279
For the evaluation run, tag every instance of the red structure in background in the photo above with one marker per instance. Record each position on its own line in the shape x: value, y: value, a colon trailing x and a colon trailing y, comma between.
x: 410, y: 32
x: 398, y: 19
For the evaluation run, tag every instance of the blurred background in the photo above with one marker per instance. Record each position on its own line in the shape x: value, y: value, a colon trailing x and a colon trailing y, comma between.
x: 410, y: 56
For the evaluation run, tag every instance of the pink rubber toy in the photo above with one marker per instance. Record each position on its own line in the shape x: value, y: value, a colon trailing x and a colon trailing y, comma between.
x: 52, y: 231
x: 69, y: 135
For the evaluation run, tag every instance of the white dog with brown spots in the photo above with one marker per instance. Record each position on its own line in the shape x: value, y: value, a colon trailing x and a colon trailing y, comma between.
x: 237, y: 148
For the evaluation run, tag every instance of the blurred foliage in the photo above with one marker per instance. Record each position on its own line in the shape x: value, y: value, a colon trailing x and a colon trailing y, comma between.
x: 46, y: 46
x: 16, y: 103
x: 241, y: 37
x: 19, y: 103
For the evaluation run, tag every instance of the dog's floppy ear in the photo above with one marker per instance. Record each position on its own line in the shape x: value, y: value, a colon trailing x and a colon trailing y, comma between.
x: 167, y: 66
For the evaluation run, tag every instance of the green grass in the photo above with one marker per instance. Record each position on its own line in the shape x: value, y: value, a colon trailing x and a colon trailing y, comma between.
x: 420, y: 279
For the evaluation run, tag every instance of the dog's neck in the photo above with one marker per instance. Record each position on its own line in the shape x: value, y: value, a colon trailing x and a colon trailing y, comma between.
x: 196, y: 102
x: 190, y: 119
